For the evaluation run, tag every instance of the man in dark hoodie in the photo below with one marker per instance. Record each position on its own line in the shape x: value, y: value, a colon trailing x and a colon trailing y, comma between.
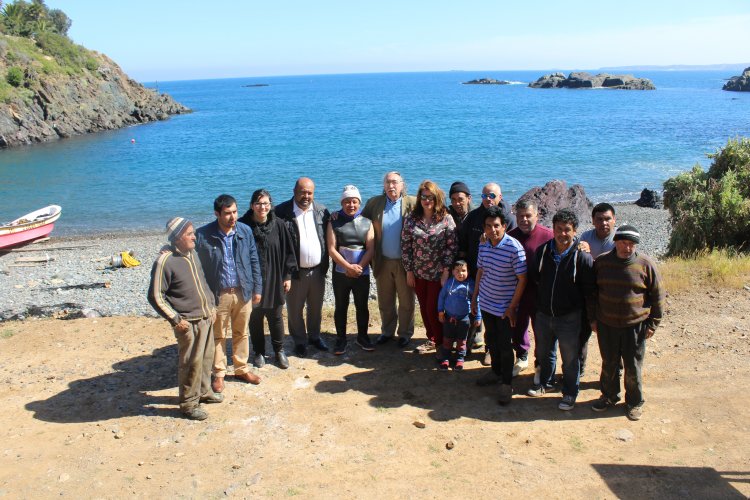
x: 565, y: 281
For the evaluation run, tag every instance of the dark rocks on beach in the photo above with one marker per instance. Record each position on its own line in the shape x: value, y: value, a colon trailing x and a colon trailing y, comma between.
x: 739, y: 83
x: 584, y: 80
x: 556, y: 195
x: 487, y: 81
x: 649, y: 199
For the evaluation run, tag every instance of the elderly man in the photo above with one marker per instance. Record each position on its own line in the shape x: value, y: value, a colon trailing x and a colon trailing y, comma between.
x: 387, y: 213
x: 471, y: 232
x: 629, y: 307
x: 460, y: 196
x: 179, y: 293
x: 307, y: 221
x: 230, y: 260
x: 531, y: 235
x: 596, y: 241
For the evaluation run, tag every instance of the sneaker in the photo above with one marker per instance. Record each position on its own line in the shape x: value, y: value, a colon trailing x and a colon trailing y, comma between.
x: 196, y: 413
x: 403, y: 342
x: 487, y: 360
x: 634, y: 412
x: 602, y: 404
x: 365, y: 344
x: 459, y: 364
x: 426, y: 347
x: 383, y: 339
x: 444, y: 365
x: 521, y: 365
x: 567, y: 403
x: 489, y: 378
x: 259, y: 361
x: 506, y: 393
x: 340, y: 347
x: 537, y: 375
x: 538, y: 390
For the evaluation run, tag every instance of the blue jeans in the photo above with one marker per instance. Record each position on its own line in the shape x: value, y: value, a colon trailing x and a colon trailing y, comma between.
x: 566, y: 331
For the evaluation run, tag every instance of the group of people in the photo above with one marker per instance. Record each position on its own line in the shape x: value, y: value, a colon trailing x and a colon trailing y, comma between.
x: 482, y: 277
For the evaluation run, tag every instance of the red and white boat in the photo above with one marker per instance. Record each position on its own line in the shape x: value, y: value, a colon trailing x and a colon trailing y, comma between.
x: 31, y: 226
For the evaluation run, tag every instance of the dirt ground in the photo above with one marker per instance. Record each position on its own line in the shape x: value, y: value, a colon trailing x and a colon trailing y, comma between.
x: 89, y: 411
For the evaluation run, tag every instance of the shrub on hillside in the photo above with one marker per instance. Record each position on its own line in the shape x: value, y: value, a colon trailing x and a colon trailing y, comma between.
x: 712, y: 209
x: 68, y: 54
x: 14, y: 76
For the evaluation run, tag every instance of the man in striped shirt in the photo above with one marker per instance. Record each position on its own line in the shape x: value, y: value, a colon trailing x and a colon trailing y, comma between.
x: 629, y: 306
x: 501, y: 278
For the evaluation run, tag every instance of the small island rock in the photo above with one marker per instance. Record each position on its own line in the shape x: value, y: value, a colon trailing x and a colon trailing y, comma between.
x: 487, y: 81
x: 584, y: 80
x: 739, y: 83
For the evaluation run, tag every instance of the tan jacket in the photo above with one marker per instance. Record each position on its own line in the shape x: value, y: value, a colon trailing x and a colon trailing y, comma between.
x: 374, y: 211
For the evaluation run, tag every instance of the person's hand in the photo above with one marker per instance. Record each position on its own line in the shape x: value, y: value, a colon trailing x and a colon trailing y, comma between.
x: 594, y: 327
x: 256, y: 298
x: 334, y: 215
x: 583, y: 246
x: 483, y: 239
x: 441, y: 316
x: 510, y: 313
x: 354, y: 271
x: 649, y: 332
x: 410, y: 279
x: 182, y: 327
x: 287, y: 285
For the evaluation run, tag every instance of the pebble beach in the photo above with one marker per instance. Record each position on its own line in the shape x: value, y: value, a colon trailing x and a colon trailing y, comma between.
x: 81, y: 281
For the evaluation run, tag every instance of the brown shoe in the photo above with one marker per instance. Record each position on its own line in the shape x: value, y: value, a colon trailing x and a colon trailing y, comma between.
x: 248, y: 377
x: 217, y: 384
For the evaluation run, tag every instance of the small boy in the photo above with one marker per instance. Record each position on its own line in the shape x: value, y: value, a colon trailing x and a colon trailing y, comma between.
x: 454, y: 312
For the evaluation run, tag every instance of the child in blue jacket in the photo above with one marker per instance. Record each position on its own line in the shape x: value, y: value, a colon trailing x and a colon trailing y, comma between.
x: 454, y: 312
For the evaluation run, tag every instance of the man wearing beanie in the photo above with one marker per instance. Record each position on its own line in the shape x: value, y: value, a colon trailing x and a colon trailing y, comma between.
x: 179, y: 293
x: 629, y: 306
x: 460, y: 203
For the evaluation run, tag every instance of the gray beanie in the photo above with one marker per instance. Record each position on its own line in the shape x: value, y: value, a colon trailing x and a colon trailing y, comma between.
x: 175, y: 227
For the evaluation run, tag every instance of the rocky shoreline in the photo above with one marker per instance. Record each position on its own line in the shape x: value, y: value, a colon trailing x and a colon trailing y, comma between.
x: 49, y: 289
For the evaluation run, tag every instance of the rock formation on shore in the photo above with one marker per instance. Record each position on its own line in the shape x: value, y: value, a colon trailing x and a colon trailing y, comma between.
x: 739, y: 83
x: 487, y: 81
x: 556, y: 195
x: 46, y: 104
x: 583, y: 80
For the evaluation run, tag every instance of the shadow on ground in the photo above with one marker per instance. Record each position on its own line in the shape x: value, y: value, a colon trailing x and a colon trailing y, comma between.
x: 646, y: 481
x: 122, y: 393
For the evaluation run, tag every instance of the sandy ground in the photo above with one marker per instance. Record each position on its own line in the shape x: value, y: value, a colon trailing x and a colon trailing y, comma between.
x: 89, y: 411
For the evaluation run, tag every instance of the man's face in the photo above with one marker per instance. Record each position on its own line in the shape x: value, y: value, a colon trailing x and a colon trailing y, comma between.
x: 186, y: 242
x: 490, y: 196
x: 604, y: 223
x: 350, y: 205
x: 304, y: 192
x: 393, y: 185
x: 564, y: 234
x: 460, y: 203
x: 624, y: 248
x: 494, y: 229
x: 227, y: 218
x: 527, y: 219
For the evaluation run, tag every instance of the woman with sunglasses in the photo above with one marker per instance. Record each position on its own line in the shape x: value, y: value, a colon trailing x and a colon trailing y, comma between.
x: 277, y: 263
x: 429, y: 246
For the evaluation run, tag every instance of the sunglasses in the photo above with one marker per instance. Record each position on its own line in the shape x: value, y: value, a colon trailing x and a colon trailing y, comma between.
x: 491, y: 196
x: 426, y: 197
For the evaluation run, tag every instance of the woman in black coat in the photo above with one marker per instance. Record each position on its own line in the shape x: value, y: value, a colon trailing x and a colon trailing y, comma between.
x: 277, y: 263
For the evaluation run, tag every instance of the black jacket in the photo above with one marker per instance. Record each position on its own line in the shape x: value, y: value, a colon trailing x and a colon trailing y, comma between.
x: 565, y: 287
x: 472, y: 229
x: 285, y: 211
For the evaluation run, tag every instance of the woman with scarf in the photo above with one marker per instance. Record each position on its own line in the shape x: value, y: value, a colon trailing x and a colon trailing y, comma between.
x: 277, y: 263
x: 351, y: 244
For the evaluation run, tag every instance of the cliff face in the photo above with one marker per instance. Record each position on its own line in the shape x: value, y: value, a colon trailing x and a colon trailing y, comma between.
x: 739, y: 83
x: 53, y: 104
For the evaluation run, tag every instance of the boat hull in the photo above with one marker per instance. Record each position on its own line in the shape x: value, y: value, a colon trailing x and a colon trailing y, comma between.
x: 13, y: 239
x: 30, y: 227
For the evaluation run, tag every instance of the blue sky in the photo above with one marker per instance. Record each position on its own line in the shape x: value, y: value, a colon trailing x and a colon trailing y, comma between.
x: 176, y: 40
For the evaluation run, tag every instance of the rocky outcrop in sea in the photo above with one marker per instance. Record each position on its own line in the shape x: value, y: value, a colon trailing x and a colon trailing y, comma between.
x: 739, y: 83
x: 61, y: 105
x: 487, y: 81
x: 556, y: 195
x: 584, y: 80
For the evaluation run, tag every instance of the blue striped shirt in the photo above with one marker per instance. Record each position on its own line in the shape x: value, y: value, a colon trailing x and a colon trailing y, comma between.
x: 228, y: 269
x: 500, y: 265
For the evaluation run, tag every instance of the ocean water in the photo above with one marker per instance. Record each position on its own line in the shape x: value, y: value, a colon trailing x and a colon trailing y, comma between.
x: 341, y: 129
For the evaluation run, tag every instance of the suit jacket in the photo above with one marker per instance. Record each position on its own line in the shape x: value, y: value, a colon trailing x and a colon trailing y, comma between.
x: 374, y: 211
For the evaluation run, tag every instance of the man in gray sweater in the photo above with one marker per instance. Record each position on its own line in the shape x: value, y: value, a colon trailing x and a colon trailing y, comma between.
x: 179, y: 293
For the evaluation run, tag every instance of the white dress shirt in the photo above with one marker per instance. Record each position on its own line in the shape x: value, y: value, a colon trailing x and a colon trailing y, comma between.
x: 309, y: 243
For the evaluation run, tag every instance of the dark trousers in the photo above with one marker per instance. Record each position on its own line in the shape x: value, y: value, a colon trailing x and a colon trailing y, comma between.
x: 308, y: 289
x: 565, y: 330
x: 629, y: 345
x: 524, y: 317
x: 498, y: 336
x: 360, y: 287
x: 274, y: 317
x: 455, y: 330
x: 427, y: 294
x: 583, y: 339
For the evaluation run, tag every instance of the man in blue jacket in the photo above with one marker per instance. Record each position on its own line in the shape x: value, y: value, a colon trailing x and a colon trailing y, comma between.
x: 227, y: 252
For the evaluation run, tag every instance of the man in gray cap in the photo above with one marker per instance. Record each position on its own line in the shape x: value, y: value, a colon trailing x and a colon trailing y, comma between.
x: 629, y: 306
x: 179, y: 293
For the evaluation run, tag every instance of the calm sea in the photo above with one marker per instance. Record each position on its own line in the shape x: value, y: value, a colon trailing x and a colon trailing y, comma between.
x: 342, y: 129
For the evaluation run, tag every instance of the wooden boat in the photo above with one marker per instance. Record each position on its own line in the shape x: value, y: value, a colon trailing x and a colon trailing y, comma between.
x: 31, y: 226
